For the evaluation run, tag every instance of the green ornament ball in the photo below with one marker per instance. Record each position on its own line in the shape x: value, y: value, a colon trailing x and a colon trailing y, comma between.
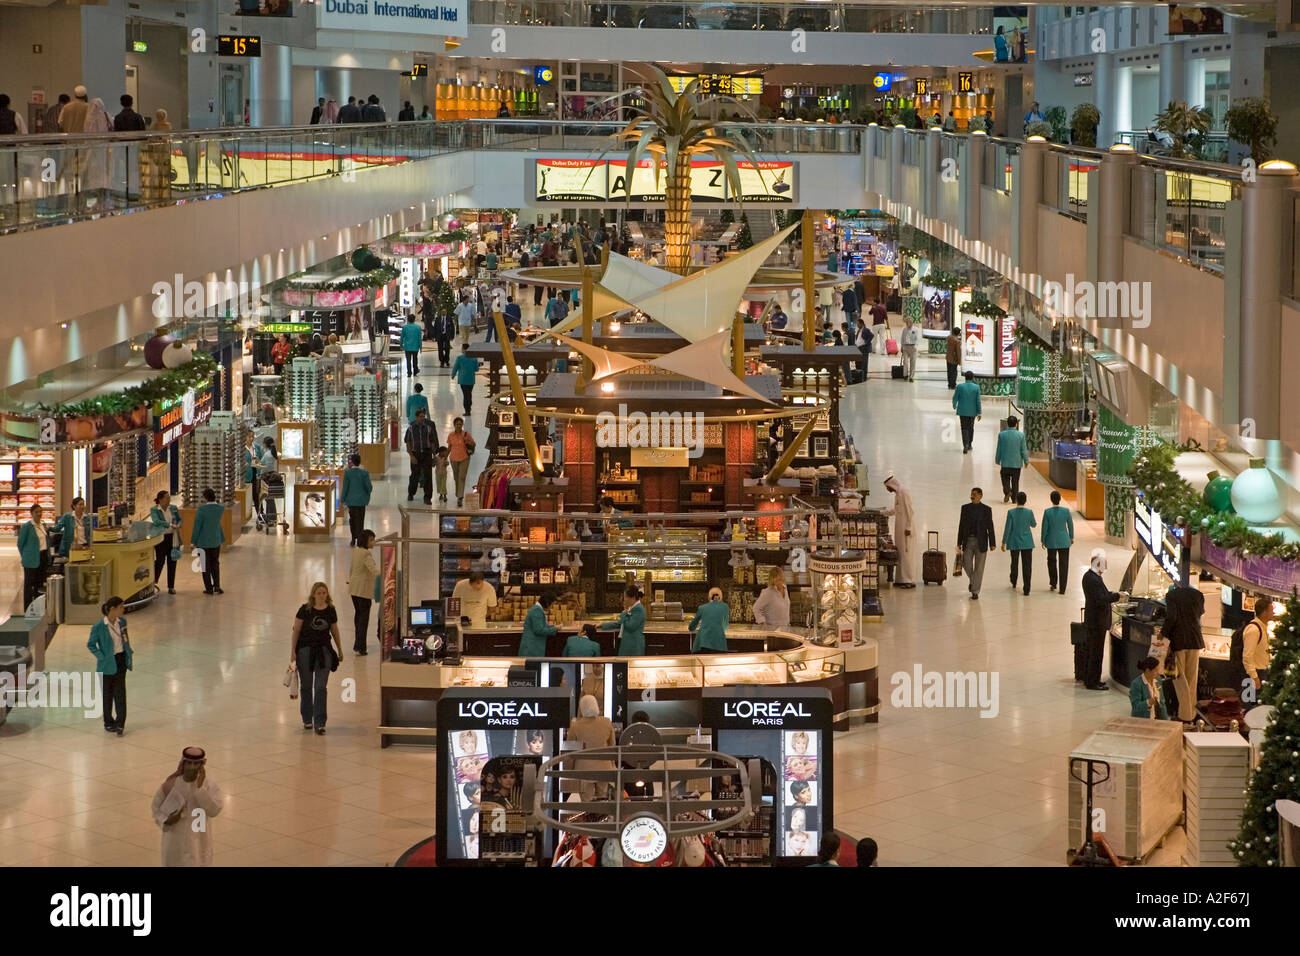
x: 1218, y: 492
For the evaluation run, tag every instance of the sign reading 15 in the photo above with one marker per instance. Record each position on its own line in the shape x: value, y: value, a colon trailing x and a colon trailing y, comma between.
x: 239, y: 46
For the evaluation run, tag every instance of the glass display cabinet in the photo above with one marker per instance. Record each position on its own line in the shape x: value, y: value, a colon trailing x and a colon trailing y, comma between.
x: 685, y: 563
x: 837, y: 598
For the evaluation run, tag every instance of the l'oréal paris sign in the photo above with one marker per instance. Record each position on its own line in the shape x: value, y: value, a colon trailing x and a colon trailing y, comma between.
x: 765, y: 713
x: 428, y: 17
x: 502, y: 713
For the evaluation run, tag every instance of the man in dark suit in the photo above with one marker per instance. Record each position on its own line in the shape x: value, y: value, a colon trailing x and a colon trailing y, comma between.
x: 1097, y: 599
x: 975, y: 536
x: 350, y: 112
x: 316, y: 112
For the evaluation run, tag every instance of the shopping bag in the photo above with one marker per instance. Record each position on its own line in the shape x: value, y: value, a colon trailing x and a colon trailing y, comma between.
x: 291, y: 681
x: 1160, y: 651
x: 200, y: 562
x: 956, y: 564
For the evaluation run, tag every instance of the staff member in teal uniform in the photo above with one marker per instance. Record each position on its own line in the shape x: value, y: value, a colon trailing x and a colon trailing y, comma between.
x: 75, y: 526
x: 1018, y: 537
x: 584, y: 644
x: 112, y: 650
x: 33, y: 548
x: 630, y: 624
x: 711, y: 619
x: 416, y: 401
x: 207, y: 534
x: 165, y: 519
x: 1012, y: 455
x: 356, y: 493
x: 1056, y: 536
x: 536, y: 630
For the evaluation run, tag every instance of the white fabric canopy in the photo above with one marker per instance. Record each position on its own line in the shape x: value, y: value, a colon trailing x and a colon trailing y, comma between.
x: 703, y: 304
x: 707, y: 361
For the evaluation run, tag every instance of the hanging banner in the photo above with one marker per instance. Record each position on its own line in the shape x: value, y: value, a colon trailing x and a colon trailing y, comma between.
x: 644, y: 186
x: 571, y: 180
x: 1117, y: 446
x: 708, y: 182
x: 769, y: 181
x: 448, y: 18
x: 1031, y: 389
x: 1008, y: 347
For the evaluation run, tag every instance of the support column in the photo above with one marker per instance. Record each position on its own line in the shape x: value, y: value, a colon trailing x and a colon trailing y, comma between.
x: 1103, y: 81
x: 270, y: 89
x: 1266, y: 205
x: 895, y: 150
x: 1027, y: 194
x: 1173, y: 73
x: 1118, y: 443
x: 1050, y: 392
x: 969, y: 181
x: 930, y: 172
x: 1111, y: 208
x: 334, y: 84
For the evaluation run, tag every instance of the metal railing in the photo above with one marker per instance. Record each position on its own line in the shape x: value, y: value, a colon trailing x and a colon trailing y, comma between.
x: 839, y: 17
x: 56, y: 179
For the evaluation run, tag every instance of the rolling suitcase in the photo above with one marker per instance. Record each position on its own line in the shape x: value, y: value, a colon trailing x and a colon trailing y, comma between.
x: 934, y: 563
x: 896, y: 371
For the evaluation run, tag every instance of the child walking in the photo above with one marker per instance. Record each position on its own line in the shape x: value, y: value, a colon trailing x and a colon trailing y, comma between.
x: 440, y: 462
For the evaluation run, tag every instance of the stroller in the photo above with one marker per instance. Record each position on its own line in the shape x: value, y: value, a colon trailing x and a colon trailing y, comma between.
x: 272, y: 490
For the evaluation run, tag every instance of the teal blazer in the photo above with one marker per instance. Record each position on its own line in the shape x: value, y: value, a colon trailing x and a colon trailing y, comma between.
x: 414, y: 402
x: 1012, y: 451
x: 207, y: 532
x: 101, y: 645
x: 412, y: 337
x: 67, y: 524
x: 249, y: 472
x: 631, y: 642
x: 1139, y: 697
x: 536, y: 631
x: 966, y: 400
x: 712, y: 619
x: 160, y: 523
x: 581, y: 646
x: 464, y: 369
x: 1058, y: 528
x: 1016, y: 534
x: 29, y: 545
x: 356, y: 487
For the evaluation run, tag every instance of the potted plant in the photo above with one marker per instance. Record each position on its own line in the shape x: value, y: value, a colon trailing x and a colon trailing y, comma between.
x: 1056, y: 119
x: 1251, y: 123
x: 1039, y: 128
x: 1187, y: 126
x: 907, y: 116
x: 1083, y: 124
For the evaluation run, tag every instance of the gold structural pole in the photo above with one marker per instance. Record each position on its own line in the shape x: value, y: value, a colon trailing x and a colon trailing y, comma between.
x: 517, y: 393
x: 588, y: 368
x: 809, y: 296
x: 787, y: 456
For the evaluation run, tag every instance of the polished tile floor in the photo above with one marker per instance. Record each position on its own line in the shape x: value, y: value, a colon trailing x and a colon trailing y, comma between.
x: 933, y: 787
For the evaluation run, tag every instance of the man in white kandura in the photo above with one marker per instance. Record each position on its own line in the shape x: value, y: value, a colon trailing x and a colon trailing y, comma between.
x: 184, y: 807
x: 904, y: 537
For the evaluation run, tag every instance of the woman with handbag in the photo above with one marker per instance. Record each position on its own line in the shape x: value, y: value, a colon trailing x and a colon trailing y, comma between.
x: 108, y: 642
x: 165, y: 520
x: 460, y: 448
x: 314, y: 626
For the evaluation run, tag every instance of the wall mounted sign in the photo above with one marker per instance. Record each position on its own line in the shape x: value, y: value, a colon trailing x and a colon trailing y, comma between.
x: 426, y: 17
x: 239, y: 46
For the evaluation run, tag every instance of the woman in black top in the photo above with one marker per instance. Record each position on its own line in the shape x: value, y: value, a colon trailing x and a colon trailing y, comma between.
x: 310, y: 652
x: 1184, y: 607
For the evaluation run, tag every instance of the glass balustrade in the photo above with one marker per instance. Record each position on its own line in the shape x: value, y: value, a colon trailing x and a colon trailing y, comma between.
x: 664, y: 15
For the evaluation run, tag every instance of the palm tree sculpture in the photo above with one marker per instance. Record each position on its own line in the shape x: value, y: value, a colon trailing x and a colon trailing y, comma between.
x: 670, y: 129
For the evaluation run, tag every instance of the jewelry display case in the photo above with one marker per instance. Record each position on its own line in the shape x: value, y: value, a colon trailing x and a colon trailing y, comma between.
x: 688, y: 565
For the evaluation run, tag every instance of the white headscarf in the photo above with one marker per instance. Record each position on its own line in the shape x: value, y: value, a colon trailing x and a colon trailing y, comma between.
x: 97, y: 120
x: 1098, y: 560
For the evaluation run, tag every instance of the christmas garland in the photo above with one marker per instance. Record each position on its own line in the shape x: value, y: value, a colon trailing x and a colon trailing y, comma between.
x: 372, y: 279
x: 1026, y: 336
x: 938, y: 279
x: 984, y: 309
x: 1153, y: 473
x: 171, y: 384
